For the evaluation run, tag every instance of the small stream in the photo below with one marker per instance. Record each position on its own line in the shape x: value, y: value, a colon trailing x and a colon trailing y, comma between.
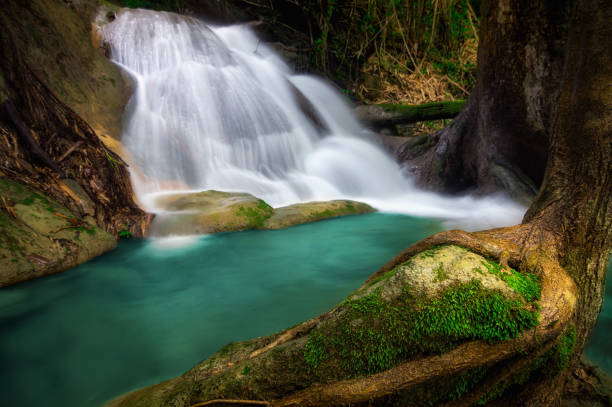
x: 152, y: 309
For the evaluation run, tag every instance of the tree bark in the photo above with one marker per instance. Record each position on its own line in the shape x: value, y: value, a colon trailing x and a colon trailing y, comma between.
x: 575, y: 201
x: 500, y: 140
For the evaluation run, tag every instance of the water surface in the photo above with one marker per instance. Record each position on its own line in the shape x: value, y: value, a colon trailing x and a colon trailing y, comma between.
x: 147, y: 312
x: 599, y: 348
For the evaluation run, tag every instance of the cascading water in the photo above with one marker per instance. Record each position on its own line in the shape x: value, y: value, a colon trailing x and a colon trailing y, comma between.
x: 214, y: 108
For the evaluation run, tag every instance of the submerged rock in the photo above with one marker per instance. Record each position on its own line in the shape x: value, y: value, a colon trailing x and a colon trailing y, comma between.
x: 217, y: 211
x: 38, y: 236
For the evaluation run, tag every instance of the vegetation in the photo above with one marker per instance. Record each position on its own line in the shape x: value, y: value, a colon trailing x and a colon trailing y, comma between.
x: 168, y: 5
x: 256, y: 216
x: 373, y: 335
x: 526, y: 284
x: 398, y: 44
x: 550, y: 364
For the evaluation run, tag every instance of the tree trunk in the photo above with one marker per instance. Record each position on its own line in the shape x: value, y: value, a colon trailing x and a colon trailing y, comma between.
x: 500, y: 140
x: 575, y: 201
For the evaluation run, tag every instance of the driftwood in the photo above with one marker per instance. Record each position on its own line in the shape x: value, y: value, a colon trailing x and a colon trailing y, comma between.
x: 388, y: 115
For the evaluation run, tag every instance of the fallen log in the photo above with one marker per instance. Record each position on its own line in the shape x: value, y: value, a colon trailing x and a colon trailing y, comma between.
x: 388, y: 115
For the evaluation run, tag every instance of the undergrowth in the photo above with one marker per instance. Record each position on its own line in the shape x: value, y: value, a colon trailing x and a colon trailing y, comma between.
x: 167, y: 5
x: 428, y: 43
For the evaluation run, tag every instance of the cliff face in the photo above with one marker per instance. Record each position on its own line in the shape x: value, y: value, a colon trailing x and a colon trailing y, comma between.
x: 58, y: 94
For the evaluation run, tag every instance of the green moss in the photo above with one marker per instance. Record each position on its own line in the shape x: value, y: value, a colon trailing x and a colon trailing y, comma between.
x: 431, y: 252
x: 441, y: 273
x: 315, y: 350
x: 452, y: 107
x: 28, y: 201
x: 382, y: 277
x: 347, y: 209
x: 526, y: 284
x: 560, y: 355
x: 256, y: 216
x: 90, y: 231
x: 374, y: 335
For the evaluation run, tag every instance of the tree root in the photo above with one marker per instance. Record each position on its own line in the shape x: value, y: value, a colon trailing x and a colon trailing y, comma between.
x: 515, y: 246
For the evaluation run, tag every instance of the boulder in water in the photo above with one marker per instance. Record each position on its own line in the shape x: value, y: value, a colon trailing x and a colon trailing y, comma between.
x: 296, y: 214
x: 210, y: 212
x: 217, y: 211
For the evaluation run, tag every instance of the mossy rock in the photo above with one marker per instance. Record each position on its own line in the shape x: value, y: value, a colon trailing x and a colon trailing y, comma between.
x: 428, y: 305
x: 38, y: 236
x: 209, y: 212
x: 292, y: 215
x: 217, y: 211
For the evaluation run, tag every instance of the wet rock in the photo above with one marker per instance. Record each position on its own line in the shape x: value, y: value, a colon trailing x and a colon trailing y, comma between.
x: 313, y: 211
x: 210, y: 212
x: 38, y: 236
x: 216, y: 211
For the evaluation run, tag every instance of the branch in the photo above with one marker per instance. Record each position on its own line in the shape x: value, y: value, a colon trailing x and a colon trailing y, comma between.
x: 386, y: 115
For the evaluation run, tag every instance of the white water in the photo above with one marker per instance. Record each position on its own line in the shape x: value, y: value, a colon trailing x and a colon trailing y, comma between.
x: 214, y: 108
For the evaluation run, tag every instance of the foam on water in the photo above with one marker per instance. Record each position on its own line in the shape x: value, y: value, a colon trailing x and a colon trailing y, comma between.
x: 214, y: 108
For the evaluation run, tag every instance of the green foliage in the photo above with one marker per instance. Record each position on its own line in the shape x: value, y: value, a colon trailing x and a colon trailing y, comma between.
x: 125, y: 234
x: 167, y: 5
x: 402, y: 36
x: 374, y: 335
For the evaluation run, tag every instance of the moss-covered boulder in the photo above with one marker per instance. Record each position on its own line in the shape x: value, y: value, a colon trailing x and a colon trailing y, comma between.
x: 209, y: 212
x: 424, y: 307
x: 38, y: 236
x: 296, y: 214
x: 217, y: 211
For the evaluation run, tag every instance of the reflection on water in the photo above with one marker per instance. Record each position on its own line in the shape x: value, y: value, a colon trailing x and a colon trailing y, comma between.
x: 150, y: 310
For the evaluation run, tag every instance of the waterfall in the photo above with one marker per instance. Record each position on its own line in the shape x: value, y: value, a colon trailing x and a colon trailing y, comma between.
x: 214, y: 108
